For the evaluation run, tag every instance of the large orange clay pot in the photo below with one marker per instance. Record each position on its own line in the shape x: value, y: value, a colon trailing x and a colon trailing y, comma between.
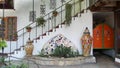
x: 86, y: 42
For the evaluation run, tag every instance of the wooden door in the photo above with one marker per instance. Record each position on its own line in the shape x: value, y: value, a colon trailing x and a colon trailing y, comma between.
x: 103, y: 37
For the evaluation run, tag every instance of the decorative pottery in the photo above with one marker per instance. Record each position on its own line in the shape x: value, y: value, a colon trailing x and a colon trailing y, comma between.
x: 29, y: 48
x: 86, y: 42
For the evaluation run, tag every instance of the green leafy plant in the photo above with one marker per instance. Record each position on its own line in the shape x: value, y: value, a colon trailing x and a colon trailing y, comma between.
x: 42, y: 53
x: 68, y: 14
x: 63, y: 51
x: 15, y: 34
x: 40, y: 21
x: 28, y: 28
x: 2, y: 59
x: 16, y: 66
x: 3, y: 44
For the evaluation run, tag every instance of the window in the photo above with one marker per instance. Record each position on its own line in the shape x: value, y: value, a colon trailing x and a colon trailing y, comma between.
x: 10, y: 28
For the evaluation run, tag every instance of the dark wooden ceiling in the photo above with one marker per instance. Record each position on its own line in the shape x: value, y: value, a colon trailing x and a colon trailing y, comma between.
x: 8, y: 4
x: 108, y: 5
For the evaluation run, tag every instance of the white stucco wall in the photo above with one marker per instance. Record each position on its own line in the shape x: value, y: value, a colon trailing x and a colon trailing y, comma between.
x: 73, y: 33
x: 117, y: 60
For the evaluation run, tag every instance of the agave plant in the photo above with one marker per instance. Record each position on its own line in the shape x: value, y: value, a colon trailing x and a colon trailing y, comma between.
x: 3, y: 44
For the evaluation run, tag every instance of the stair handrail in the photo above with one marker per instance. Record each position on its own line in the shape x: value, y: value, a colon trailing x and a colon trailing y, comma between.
x: 44, y: 16
x: 47, y: 15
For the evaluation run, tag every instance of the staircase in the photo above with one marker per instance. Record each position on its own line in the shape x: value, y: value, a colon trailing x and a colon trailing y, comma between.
x: 53, y: 26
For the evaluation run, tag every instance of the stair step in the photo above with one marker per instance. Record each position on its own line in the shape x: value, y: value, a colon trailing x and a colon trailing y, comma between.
x: 57, y: 26
x: 76, y: 15
x: 50, y: 30
x: 63, y: 23
x: 4, y: 54
x: 37, y: 38
x: 44, y: 34
x: 82, y: 11
x: 11, y: 52
x: 17, y: 49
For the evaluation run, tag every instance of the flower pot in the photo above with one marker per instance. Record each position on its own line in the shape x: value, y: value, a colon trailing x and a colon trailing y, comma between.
x: 29, y: 48
x: 55, y: 13
x: 28, y: 30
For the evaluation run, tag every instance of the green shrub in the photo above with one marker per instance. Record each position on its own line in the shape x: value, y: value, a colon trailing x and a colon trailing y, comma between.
x: 16, y: 66
x: 42, y: 53
x: 2, y: 59
x: 68, y: 14
x: 62, y: 51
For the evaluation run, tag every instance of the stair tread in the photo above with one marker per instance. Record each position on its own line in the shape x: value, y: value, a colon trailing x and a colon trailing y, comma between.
x: 3, y: 54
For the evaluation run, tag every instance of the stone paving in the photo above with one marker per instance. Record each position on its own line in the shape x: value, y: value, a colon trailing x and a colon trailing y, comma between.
x: 103, y: 61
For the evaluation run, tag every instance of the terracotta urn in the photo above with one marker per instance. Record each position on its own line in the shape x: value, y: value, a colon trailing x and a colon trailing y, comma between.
x: 86, y: 42
x: 29, y: 48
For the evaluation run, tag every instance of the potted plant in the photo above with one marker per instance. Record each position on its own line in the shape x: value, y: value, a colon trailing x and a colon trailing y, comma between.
x: 28, y: 28
x: 40, y: 21
x: 54, y: 13
x: 68, y: 15
x: 15, y: 35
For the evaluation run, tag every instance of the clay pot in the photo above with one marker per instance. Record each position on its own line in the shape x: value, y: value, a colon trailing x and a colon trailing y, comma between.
x: 29, y: 30
x: 29, y: 48
x: 86, y: 42
x: 55, y: 13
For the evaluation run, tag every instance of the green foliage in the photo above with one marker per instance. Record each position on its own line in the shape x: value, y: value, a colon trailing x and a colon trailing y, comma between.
x: 28, y: 27
x: 3, y: 44
x: 62, y: 51
x: 23, y: 66
x: 40, y: 21
x: 42, y: 53
x: 2, y: 59
x: 68, y: 15
x: 16, y: 66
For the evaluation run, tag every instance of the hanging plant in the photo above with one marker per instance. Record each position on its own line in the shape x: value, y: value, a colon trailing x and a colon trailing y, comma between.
x: 54, y: 13
x: 3, y: 44
x: 15, y: 34
x: 40, y: 21
x: 28, y: 28
x: 68, y: 15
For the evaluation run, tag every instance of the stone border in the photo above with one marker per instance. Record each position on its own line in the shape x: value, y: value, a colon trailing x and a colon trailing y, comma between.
x: 62, y: 61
